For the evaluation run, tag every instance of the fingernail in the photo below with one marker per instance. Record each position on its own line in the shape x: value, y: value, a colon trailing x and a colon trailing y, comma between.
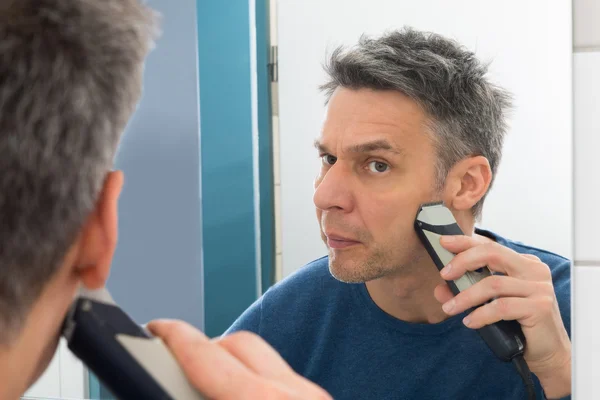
x: 466, y: 321
x: 448, y: 306
x: 446, y: 269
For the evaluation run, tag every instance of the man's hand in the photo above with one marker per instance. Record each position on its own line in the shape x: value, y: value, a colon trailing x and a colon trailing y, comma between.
x: 525, y: 294
x: 239, y: 366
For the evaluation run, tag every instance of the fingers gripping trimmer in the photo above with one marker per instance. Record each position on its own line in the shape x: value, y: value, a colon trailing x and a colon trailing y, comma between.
x: 131, y: 363
x: 505, y: 338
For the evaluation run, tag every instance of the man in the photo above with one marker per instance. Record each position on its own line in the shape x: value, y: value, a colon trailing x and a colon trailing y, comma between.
x: 411, y: 118
x: 71, y: 76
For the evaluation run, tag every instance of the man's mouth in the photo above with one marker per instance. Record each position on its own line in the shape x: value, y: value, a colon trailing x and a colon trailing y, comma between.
x: 340, y: 242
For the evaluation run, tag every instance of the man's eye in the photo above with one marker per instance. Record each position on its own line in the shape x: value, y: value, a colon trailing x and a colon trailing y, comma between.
x: 329, y: 159
x: 378, y: 166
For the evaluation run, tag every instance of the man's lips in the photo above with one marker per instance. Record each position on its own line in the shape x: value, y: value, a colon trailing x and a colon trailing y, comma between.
x: 340, y: 242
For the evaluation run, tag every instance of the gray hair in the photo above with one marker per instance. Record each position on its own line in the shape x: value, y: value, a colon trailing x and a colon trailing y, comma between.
x: 467, y: 113
x: 70, y: 79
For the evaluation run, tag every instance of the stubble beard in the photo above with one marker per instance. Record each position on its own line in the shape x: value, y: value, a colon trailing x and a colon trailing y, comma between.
x: 354, y: 268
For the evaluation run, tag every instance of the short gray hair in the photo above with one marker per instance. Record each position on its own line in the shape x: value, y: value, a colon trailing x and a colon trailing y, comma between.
x: 70, y: 79
x: 467, y: 113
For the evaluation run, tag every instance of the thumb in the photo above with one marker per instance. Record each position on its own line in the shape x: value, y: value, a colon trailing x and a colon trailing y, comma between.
x: 181, y: 338
x: 172, y: 330
x: 209, y: 367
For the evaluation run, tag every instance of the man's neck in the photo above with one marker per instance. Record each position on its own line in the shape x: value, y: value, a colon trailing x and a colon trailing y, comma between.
x: 10, y: 389
x: 19, y: 367
x: 409, y: 297
x: 24, y: 359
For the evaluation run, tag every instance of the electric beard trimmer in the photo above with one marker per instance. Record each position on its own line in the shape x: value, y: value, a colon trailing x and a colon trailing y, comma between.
x: 131, y: 363
x: 433, y: 221
x: 504, y: 338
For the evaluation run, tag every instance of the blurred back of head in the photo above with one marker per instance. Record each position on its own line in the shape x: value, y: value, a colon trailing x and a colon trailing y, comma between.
x: 70, y: 79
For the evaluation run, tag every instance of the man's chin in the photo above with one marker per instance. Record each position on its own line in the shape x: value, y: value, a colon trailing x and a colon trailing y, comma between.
x: 345, y: 278
x: 352, y: 272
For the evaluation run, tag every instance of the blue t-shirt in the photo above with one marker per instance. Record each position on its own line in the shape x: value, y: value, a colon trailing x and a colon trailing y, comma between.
x: 334, y: 334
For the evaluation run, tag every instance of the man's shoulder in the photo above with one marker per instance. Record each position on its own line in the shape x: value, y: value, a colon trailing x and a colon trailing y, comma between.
x: 287, y: 300
x: 312, y: 277
x: 560, y: 268
x: 316, y: 268
x: 559, y: 265
x: 310, y: 292
x: 292, y: 302
x: 553, y: 260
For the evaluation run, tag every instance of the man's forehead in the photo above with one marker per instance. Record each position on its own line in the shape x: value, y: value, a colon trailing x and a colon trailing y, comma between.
x: 357, y: 131
x: 382, y: 105
x: 359, y: 145
x: 371, y: 120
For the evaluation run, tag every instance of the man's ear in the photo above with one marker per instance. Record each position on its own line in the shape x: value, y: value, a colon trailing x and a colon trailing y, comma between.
x: 98, y: 239
x: 467, y: 182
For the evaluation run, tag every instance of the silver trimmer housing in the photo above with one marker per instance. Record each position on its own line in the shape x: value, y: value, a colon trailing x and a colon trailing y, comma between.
x: 433, y: 221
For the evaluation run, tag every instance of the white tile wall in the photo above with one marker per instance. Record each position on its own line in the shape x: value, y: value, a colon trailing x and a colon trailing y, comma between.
x: 277, y: 198
x: 73, y: 374
x: 586, y: 275
x: 586, y: 23
x: 49, y: 383
x: 586, y: 333
x: 278, y: 267
x: 276, y: 158
x: 65, y: 378
x: 586, y: 70
x: 277, y: 204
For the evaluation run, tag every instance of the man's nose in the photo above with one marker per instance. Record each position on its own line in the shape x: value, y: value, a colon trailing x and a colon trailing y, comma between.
x: 333, y: 190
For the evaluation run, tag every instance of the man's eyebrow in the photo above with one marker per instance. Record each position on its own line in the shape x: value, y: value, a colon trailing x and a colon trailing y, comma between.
x: 320, y: 147
x: 367, y: 147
